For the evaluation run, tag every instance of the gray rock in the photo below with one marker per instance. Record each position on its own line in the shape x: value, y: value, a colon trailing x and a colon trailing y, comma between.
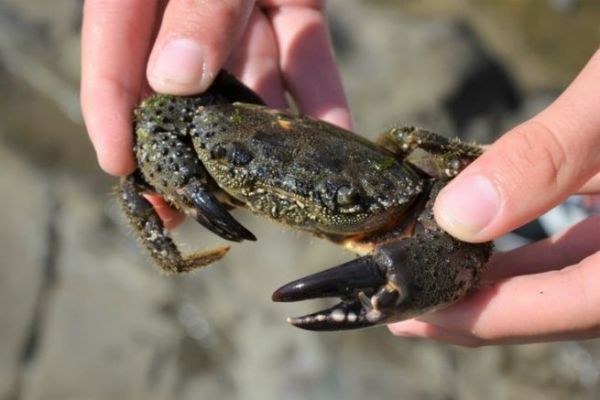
x: 39, y: 43
x: 402, y: 70
x: 106, y: 333
x: 25, y: 249
x: 39, y: 74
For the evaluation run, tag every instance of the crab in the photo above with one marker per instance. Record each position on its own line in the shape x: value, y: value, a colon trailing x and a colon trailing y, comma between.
x: 209, y: 153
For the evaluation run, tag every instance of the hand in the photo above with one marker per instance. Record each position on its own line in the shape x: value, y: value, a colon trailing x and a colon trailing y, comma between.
x: 547, y: 290
x: 274, y: 46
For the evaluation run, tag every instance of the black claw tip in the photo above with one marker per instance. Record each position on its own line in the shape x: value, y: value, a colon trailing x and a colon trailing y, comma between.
x: 213, y: 216
x: 341, y: 281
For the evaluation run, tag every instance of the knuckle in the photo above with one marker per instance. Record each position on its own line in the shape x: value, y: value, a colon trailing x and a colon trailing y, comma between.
x: 552, y: 152
x: 535, y: 150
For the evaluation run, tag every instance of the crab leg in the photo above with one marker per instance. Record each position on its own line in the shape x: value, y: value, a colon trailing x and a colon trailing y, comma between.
x: 447, y: 157
x: 156, y: 239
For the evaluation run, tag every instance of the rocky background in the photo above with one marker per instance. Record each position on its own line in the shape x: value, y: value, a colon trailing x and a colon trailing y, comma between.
x: 84, y: 316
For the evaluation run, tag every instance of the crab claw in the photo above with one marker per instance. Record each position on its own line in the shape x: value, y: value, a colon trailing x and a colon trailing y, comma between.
x: 209, y: 212
x: 399, y: 280
x: 351, y: 281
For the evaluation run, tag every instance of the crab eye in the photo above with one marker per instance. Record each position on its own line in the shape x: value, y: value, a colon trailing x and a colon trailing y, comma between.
x: 346, y: 195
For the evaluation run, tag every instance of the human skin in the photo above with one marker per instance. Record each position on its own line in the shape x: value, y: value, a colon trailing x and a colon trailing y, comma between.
x: 132, y: 48
x: 547, y: 290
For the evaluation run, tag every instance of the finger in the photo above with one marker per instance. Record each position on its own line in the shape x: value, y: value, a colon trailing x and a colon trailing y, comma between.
x: 170, y: 217
x: 556, y: 305
x: 255, y: 61
x: 414, y: 328
x: 194, y: 41
x: 308, y: 63
x: 567, y: 248
x: 115, y: 45
x: 530, y: 169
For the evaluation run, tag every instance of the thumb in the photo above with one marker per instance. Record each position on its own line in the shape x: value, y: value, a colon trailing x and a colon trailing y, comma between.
x: 194, y: 40
x: 529, y: 170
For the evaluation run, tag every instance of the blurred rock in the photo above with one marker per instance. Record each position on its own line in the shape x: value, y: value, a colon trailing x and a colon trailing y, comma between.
x: 26, y: 246
x: 105, y: 333
x: 564, y: 6
x: 39, y: 79
x: 39, y: 43
x: 428, y: 72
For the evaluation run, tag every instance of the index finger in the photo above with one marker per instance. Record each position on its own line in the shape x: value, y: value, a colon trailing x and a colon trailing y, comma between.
x: 116, y: 38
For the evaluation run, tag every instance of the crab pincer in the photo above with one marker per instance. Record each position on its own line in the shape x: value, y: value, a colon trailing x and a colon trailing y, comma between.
x: 398, y: 280
x: 349, y: 281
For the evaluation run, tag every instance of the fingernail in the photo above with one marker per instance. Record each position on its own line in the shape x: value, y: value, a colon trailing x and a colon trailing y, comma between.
x: 179, y: 67
x: 467, y: 206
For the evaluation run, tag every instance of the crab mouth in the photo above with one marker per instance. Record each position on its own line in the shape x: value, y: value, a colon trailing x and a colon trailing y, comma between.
x: 354, y: 283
